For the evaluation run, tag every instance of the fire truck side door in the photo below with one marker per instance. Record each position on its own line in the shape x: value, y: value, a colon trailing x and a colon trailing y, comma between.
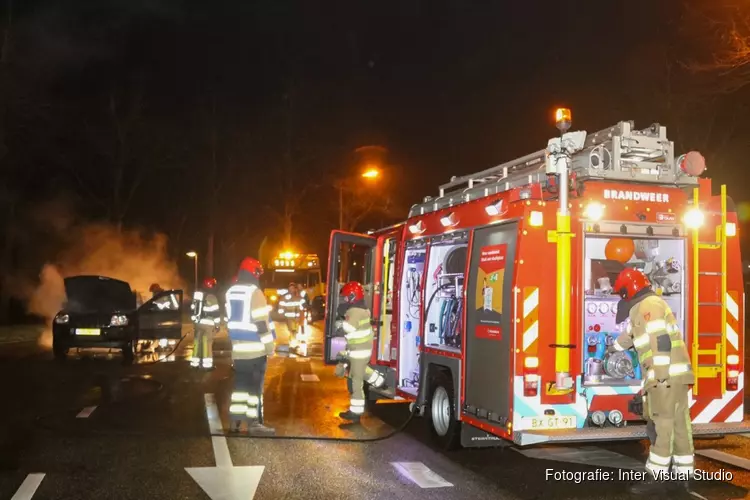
x: 349, y: 259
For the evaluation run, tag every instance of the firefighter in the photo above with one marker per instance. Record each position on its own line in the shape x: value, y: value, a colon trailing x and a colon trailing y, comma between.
x: 354, y: 325
x: 654, y: 334
x: 155, y: 289
x: 293, y: 306
x: 252, y: 335
x: 206, y: 318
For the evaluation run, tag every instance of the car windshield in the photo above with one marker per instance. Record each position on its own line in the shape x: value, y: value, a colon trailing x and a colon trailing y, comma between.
x: 98, y: 294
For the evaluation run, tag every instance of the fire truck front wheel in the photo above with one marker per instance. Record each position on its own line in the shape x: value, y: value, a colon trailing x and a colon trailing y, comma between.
x: 442, y: 415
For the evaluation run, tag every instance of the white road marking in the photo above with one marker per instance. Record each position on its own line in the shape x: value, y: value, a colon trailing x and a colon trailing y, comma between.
x: 212, y: 415
x: 228, y: 483
x: 225, y: 481
x: 421, y: 475
x: 587, y: 455
x: 221, y: 451
x: 28, y: 487
x: 86, y: 412
x: 727, y: 458
x: 309, y: 377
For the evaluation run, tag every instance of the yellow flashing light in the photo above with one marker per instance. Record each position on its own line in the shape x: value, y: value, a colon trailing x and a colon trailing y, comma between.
x: 563, y: 118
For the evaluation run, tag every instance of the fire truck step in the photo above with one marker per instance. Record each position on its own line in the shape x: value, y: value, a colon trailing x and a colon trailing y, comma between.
x: 713, y: 304
x: 710, y: 334
x: 630, y: 432
x: 710, y: 273
x: 709, y: 366
x: 709, y: 245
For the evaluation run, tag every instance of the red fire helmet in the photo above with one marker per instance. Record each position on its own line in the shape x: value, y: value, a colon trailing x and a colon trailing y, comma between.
x: 251, y: 265
x: 352, y: 292
x: 629, y: 282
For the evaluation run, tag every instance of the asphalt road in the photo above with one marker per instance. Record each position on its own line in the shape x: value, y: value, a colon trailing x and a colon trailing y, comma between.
x: 91, y: 428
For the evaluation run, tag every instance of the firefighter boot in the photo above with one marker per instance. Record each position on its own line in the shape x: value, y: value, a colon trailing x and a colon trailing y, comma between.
x: 650, y: 484
x: 256, y: 428
x: 350, y: 416
x: 682, y: 489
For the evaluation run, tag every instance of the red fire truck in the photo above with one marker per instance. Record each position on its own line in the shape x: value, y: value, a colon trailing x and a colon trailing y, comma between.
x: 493, y: 303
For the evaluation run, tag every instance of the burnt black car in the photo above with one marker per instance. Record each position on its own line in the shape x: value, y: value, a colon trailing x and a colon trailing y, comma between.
x: 102, y: 312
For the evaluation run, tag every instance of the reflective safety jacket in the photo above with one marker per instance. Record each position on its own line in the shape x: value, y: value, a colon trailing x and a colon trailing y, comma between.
x: 292, y: 305
x: 250, y: 330
x: 205, y: 309
x: 656, y: 337
x: 358, y: 333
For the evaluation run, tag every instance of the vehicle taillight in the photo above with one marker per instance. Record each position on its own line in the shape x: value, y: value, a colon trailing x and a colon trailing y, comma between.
x: 733, y: 372
x: 530, y: 376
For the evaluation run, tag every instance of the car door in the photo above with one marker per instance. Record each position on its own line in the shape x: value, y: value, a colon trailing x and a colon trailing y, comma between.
x: 161, y: 316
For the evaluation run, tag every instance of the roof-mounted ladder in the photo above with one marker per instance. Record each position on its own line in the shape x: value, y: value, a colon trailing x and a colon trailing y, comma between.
x: 617, y: 153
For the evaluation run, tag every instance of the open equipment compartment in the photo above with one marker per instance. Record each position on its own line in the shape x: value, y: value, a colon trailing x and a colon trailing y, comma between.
x: 662, y: 260
x: 444, y: 291
x: 411, y: 317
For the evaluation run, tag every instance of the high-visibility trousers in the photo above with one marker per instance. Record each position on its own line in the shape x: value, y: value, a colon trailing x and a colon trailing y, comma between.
x: 247, y: 393
x: 669, y: 409
x: 360, y: 372
x: 203, y: 346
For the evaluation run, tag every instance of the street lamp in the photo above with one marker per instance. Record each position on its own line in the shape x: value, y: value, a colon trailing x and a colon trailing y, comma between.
x: 194, y: 256
x: 370, y: 173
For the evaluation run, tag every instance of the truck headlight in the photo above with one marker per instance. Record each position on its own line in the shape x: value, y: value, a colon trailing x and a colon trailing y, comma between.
x: 118, y: 320
x: 62, y: 319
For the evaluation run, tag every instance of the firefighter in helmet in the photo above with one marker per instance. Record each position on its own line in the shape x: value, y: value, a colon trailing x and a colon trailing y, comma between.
x: 654, y: 334
x: 292, y: 305
x: 353, y: 324
x: 206, y: 318
x: 155, y: 289
x: 252, y: 335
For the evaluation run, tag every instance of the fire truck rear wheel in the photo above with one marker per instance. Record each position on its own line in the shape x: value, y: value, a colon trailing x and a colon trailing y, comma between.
x: 442, y: 414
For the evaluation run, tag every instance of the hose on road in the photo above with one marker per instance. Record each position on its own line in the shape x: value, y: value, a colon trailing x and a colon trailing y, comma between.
x: 388, y: 435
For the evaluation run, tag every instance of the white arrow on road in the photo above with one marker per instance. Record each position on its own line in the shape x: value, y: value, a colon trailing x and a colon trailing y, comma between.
x: 28, y: 487
x: 225, y: 481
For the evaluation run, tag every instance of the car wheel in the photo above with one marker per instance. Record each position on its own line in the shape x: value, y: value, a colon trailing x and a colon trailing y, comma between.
x: 59, y: 352
x: 127, y: 354
x: 442, y: 412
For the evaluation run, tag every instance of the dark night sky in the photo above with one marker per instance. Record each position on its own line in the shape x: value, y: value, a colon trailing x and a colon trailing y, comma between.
x: 449, y: 86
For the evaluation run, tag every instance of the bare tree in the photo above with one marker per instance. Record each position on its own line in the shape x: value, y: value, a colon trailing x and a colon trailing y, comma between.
x: 661, y: 88
x: 117, y: 142
x: 293, y: 182
x: 722, y: 30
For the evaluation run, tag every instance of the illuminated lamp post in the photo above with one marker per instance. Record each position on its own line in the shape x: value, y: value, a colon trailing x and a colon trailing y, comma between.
x: 194, y: 256
x: 370, y: 173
